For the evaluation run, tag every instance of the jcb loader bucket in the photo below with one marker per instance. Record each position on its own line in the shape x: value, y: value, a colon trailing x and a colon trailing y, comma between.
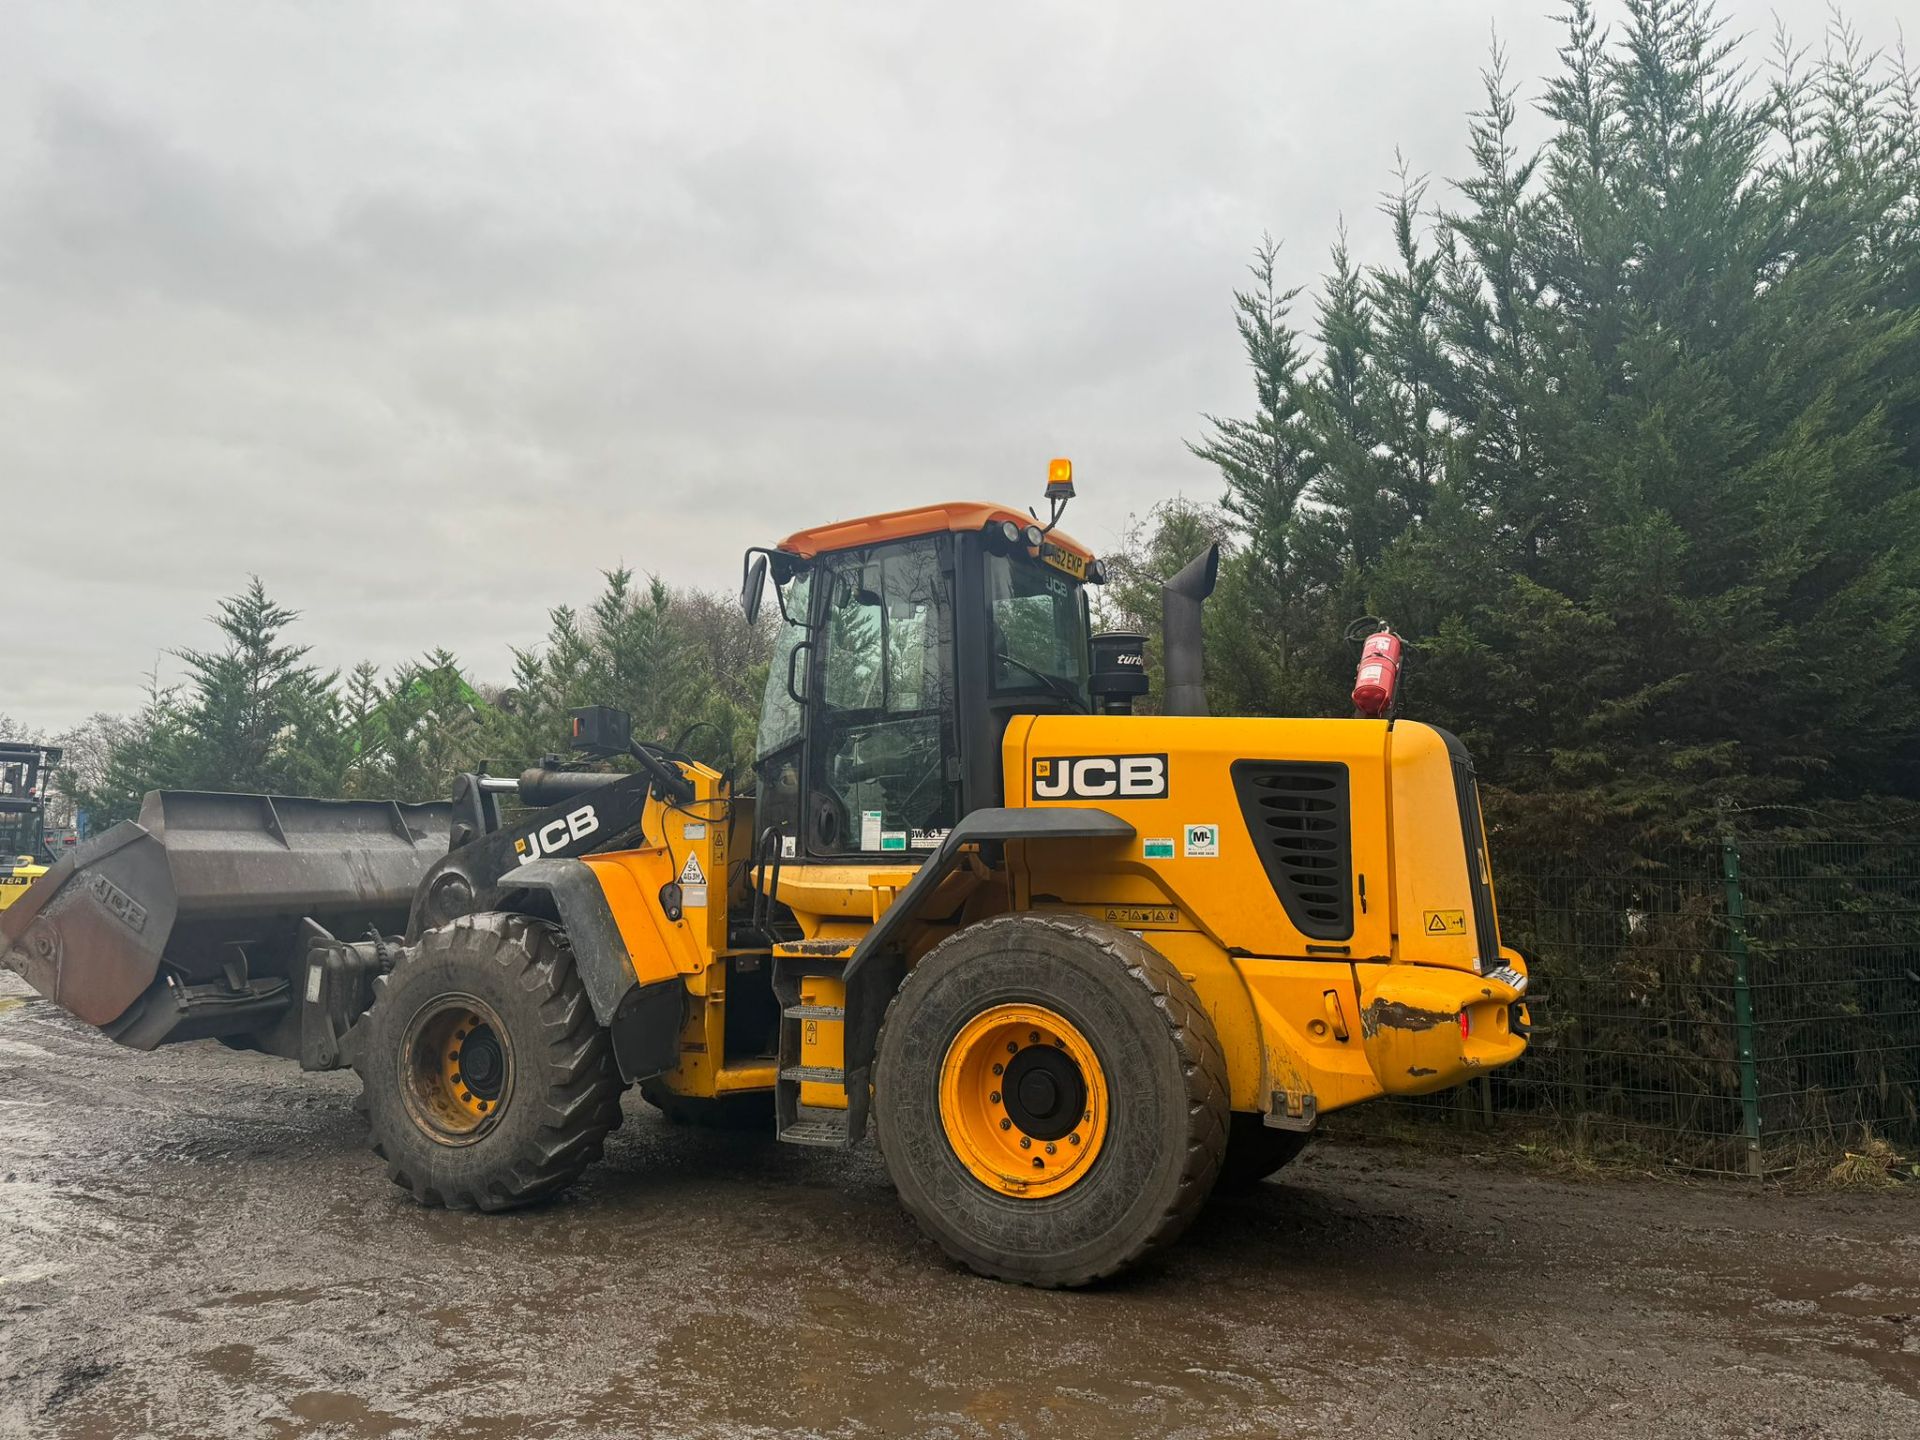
x: 187, y: 922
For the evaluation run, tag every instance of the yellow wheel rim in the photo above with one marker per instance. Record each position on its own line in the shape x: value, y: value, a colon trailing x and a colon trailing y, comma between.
x: 1023, y: 1101
x: 456, y: 1069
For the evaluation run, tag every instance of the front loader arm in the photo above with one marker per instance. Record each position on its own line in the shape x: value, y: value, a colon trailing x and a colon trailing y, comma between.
x: 593, y: 809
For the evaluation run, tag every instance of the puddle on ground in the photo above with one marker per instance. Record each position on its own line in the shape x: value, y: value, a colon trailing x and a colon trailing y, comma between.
x: 337, y: 1410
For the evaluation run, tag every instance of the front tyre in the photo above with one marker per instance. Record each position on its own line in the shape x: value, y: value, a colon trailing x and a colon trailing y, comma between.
x: 1050, y: 1098
x: 485, y: 1076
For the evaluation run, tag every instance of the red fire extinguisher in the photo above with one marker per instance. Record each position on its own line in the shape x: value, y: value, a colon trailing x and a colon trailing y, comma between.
x: 1379, y: 673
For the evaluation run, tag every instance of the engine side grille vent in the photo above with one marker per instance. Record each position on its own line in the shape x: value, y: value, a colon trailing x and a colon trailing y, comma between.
x: 1301, y: 818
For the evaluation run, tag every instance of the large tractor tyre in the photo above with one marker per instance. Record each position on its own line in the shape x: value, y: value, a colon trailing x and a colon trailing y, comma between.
x: 1256, y: 1150
x: 1050, y: 1099
x: 485, y: 1076
x: 749, y: 1110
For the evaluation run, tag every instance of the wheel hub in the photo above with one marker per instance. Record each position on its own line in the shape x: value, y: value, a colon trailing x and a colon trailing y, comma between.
x: 1044, y: 1092
x: 456, y: 1069
x: 1023, y: 1100
x: 481, y: 1065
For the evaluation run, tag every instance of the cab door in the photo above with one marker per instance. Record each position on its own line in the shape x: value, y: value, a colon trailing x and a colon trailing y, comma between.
x: 882, y: 764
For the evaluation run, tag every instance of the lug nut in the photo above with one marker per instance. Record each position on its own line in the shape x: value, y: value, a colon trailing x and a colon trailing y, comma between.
x: 1012, y: 1048
x: 1033, y: 1037
x: 1049, y: 1147
x: 1074, y: 1139
x: 1025, y: 1143
x: 994, y: 1098
x: 1006, y: 1124
x: 998, y: 1068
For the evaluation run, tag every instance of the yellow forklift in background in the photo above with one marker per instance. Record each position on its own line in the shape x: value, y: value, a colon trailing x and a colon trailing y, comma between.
x: 25, y: 769
x: 1068, y: 964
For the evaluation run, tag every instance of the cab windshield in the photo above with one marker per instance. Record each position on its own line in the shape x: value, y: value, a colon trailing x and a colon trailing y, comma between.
x: 1040, y: 630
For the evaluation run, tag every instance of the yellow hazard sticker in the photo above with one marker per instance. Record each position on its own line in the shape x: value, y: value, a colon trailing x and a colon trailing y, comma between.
x: 1133, y: 916
x: 1444, y: 922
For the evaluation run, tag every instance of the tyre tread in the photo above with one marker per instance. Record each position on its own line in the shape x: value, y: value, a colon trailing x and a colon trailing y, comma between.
x: 1202, y: 1061
x: 583, y: 1085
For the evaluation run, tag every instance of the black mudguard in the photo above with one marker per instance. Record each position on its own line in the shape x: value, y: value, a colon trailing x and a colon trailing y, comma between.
x: 644, y: 1020
x: 877, y: 966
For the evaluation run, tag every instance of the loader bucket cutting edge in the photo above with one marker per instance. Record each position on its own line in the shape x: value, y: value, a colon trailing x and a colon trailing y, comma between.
x: 203, y: 897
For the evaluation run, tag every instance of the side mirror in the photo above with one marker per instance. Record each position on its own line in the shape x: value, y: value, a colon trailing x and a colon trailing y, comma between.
x: 753, y: 586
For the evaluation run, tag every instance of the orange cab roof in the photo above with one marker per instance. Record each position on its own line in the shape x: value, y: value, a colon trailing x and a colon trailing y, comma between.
x: 955, y: 515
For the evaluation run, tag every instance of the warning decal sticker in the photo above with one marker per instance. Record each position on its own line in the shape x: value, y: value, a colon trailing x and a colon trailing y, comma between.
x: 691, y: 873
x: 1133, y: 916
x: 1444, y: 922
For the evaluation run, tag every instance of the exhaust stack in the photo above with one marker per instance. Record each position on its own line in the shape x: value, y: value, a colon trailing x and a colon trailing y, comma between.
x: 1181, y: 639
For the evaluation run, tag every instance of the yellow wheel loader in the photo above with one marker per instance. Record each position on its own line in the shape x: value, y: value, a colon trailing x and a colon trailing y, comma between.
x: 1069, y: 965
x: 24, y: 855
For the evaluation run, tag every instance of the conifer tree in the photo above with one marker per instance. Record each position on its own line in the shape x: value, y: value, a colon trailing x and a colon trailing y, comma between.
x: 1628, y: 438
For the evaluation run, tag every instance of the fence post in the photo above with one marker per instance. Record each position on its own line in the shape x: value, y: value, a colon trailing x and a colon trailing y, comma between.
x: 1742, y: 1001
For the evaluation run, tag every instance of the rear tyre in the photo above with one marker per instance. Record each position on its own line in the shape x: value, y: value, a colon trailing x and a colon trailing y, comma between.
x: 486, y: 1079
x: 750, y: 1110
x: 1050, y: 1099
x: 1256, y: 1150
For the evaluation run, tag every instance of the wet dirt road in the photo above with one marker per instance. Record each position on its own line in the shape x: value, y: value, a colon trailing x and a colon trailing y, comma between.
x: 196, y: 1243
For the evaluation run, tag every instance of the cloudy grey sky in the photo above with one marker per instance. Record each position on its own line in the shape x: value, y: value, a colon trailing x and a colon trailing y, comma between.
x: 427, y: 313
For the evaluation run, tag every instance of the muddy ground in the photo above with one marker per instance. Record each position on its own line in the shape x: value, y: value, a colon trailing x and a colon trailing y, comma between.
x: 196, y: 1243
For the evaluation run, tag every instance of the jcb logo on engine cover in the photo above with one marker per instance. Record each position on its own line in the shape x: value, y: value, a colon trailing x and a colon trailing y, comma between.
x: 556, y: 835
x: 1100, y: 777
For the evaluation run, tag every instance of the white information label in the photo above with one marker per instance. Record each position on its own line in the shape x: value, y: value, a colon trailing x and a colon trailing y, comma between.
x: 693, y: 897
x: 1203, y: 842
x: 870, y: 821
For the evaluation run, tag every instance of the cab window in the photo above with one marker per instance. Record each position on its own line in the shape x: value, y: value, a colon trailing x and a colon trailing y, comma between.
x: 1040, y: 630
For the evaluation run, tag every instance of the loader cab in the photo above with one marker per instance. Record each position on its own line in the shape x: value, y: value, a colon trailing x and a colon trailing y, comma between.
x: 906, y: 643
x: 24, y: 773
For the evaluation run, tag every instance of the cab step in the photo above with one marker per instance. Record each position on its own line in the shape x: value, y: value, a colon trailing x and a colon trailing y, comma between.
x: 810, y: 1096
x: 815, y: 1012
x: 826, y: 1131
x: 814, y: 1074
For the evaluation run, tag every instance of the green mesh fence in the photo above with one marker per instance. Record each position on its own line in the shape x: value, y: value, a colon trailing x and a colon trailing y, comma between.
x: 1737, y: 1006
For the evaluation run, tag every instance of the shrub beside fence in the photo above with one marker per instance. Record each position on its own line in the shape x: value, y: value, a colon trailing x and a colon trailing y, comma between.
x: 1737, y: 1006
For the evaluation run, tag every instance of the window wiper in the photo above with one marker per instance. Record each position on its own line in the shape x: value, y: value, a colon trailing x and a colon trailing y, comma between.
x: 1052, y: 682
